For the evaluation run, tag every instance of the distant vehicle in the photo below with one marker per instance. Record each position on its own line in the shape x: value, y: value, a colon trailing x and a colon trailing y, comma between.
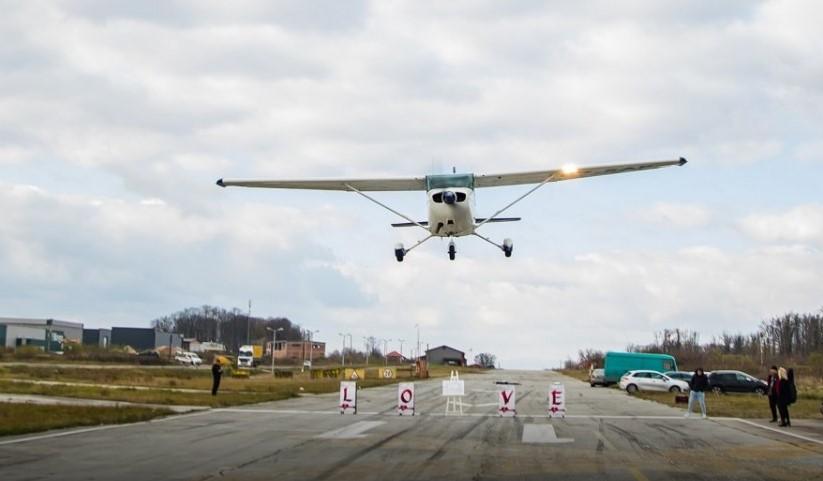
x: 634, y: 381
x: 249, y: 355
x: 736, y: 381
x: 598, y: 376
x: 680, y: 375
x: 188, y: 358
x: 224, y: 360
x: 149, y: 357
x: 619, y: 363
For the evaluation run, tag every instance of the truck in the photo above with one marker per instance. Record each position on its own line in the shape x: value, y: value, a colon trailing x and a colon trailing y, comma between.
x: 249, y: 355
x: 618, y: 363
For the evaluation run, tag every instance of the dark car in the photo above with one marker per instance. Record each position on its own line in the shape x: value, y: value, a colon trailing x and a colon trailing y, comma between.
x: 736, y: 381
x: 149, y: 357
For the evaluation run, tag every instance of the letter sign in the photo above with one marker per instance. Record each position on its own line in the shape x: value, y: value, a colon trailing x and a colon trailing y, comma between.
x: 348, y: 397
x: 557, y: 401
x: 507, y: 401
x: 405, y: 398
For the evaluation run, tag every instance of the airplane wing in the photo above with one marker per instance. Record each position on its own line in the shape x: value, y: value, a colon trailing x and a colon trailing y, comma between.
x: 568, y: 173
x: 411, y: 183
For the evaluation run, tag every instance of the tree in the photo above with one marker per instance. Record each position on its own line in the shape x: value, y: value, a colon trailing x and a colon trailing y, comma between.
x: 485, y: 360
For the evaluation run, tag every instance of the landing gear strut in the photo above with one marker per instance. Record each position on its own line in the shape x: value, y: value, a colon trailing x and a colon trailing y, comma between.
x: 452, y: 250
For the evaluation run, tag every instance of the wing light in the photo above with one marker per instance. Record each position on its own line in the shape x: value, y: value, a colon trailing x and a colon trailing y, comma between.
x: 569, y: 170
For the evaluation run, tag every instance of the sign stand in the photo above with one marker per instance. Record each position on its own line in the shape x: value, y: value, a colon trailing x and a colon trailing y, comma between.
x: 557, y: 401
x: 348, y: 397
x: 405, y: 399
x: 454, y: 390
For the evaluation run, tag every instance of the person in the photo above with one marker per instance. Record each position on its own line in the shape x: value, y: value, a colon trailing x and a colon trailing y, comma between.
x: 697, y: 391
x: 772, y: 393
x: 216, y: 374
x: 785, y: 394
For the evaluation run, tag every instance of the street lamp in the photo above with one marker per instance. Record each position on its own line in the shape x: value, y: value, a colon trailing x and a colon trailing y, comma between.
x: 368, y: 349
x: 385, y: 357
x: 401, y: 341
x: 343, y: 352
x: 311, y: 345
x: 273, y: 345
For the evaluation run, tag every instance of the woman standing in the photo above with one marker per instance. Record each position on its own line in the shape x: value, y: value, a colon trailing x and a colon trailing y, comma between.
x: 785, y: 388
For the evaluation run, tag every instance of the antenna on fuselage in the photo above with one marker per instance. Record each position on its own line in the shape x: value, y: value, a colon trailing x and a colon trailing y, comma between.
x: 454, y: 170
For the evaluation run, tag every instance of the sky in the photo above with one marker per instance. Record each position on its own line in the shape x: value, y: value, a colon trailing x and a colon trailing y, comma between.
x: 117, y: 118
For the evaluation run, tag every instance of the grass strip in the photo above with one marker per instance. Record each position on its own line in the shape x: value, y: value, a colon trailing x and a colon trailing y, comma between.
x: 22, y: 418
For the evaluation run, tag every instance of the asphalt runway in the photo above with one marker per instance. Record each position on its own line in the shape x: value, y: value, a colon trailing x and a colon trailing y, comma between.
x: 606, y: 435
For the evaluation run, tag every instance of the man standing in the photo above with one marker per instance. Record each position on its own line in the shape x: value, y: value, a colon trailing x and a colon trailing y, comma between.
x: 216, y: 374
x: 772, y: 392
x: 697, y: 391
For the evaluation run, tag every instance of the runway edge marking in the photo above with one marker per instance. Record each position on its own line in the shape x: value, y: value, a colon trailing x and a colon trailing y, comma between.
x: 775, y: 430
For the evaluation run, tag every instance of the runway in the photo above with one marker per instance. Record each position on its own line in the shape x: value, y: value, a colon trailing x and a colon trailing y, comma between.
x: 606, y: 435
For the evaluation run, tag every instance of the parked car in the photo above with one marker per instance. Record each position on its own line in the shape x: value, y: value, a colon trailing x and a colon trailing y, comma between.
x: 598, y: 376
x: 188, y: 358
x: 634, y: 381
x: 680, y: 375
x: 149, y: 357
x: 736, y: 381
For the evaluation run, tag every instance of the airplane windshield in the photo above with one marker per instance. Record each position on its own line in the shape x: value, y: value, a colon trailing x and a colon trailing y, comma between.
x: 444, y: 181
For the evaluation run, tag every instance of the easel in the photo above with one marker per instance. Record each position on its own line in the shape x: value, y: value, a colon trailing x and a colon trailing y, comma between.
x: 454, y: 404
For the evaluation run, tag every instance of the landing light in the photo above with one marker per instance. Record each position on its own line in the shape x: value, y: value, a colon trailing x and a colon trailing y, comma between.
x: 569, y: 170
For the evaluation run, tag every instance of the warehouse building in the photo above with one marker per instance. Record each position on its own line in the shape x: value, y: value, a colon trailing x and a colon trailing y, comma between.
x: 445, y: 355
x: 17, y: 332
x: 143, y: 339
x: 297, y: 350
x: 97, y: 337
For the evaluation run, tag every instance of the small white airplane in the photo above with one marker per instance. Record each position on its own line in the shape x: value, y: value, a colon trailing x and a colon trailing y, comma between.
x: 451, y: 196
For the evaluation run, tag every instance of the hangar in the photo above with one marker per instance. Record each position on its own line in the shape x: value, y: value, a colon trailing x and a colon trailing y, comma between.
x: 17, y: 332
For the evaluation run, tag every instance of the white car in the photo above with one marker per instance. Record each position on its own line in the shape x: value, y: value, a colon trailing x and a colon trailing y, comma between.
x: 634, y: 381
x: 188, y: 358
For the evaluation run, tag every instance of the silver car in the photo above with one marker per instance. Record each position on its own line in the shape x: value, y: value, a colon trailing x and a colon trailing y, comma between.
x: 597, y: 376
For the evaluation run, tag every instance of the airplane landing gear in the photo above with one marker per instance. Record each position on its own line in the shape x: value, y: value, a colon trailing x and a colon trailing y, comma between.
x: 399, y: 252
x: 508, y: 247
x: 452, y: 250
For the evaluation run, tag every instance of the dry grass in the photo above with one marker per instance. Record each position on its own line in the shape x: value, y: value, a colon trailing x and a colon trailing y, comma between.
x: 27, y: 418
x: 748, y: 406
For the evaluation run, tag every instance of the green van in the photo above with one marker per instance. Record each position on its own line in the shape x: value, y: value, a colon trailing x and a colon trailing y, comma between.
x: 619, y: 363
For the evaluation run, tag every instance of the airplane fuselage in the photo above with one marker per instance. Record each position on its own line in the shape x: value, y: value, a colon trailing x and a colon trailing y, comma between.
x: 451, y: 211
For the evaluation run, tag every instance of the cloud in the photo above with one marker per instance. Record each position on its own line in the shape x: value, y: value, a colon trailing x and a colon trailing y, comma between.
x: 802, y: 224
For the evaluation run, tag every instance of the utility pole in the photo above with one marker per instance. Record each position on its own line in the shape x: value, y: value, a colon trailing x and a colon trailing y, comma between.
x: 401, y: 341
x: 273, y: 345
x: 418, y: 341
x: 343, y: 352
x: 385, y: 347
x: 248, y: 325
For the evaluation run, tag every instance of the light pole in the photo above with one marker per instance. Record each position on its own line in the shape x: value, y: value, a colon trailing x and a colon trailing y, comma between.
x: 418, y: 342
x: 311, y: 346
x: 385, y: 357
x: 343, y: 352
x: 248, y: 325
x: 368, y: 349
x: 401, y: 341
x: 273, y: 345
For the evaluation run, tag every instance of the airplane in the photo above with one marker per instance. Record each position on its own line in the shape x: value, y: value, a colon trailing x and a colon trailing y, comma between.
x: 451, y: 196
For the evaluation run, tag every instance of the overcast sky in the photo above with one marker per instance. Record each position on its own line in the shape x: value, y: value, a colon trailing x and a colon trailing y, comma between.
x: 117, y: 117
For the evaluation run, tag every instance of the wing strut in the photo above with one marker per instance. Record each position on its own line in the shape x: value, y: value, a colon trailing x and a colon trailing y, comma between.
x: 349, y: 186
x: 551, y: 178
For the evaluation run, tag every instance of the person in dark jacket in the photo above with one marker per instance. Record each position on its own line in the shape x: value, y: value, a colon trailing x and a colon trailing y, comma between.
x: 786, y: 394
x: 216, y: 374
x: 697, y: 391
x: 771, y: 380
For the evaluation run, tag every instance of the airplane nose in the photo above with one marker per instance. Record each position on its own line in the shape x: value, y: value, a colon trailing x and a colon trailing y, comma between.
x: 449, y: 197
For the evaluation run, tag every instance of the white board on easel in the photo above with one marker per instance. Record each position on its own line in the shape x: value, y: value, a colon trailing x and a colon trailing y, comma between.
x: 453, y: 390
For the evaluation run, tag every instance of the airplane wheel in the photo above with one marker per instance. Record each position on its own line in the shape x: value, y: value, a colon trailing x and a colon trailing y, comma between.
x: 452, y: 251
x: 399, y: 252
x: 508, y: 247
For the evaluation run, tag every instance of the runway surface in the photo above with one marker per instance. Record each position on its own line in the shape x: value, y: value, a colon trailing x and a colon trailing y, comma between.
x: 606, y: 435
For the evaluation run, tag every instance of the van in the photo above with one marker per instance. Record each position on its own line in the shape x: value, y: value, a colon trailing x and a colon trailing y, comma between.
x: 619, y: 363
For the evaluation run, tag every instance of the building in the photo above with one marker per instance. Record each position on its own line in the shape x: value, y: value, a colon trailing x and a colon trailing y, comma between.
x: 395, y: 357
x: 97, y: 337
x: 445, y: 355
x: 297, y: 350
x: 193, y: 345
x: 16, y: 332
x: 145, y: 338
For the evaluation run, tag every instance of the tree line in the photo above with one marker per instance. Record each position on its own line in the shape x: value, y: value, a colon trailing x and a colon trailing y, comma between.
x: 230, y: 327
x: 790, y: 338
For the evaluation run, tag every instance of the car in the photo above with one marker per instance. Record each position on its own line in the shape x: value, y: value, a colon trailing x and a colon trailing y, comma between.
x: 680, y: 375
x: 188, y: 358
x: 149, y: 357
x: 634, y: 381
x: 598, y: 376
x: 736, y: 381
